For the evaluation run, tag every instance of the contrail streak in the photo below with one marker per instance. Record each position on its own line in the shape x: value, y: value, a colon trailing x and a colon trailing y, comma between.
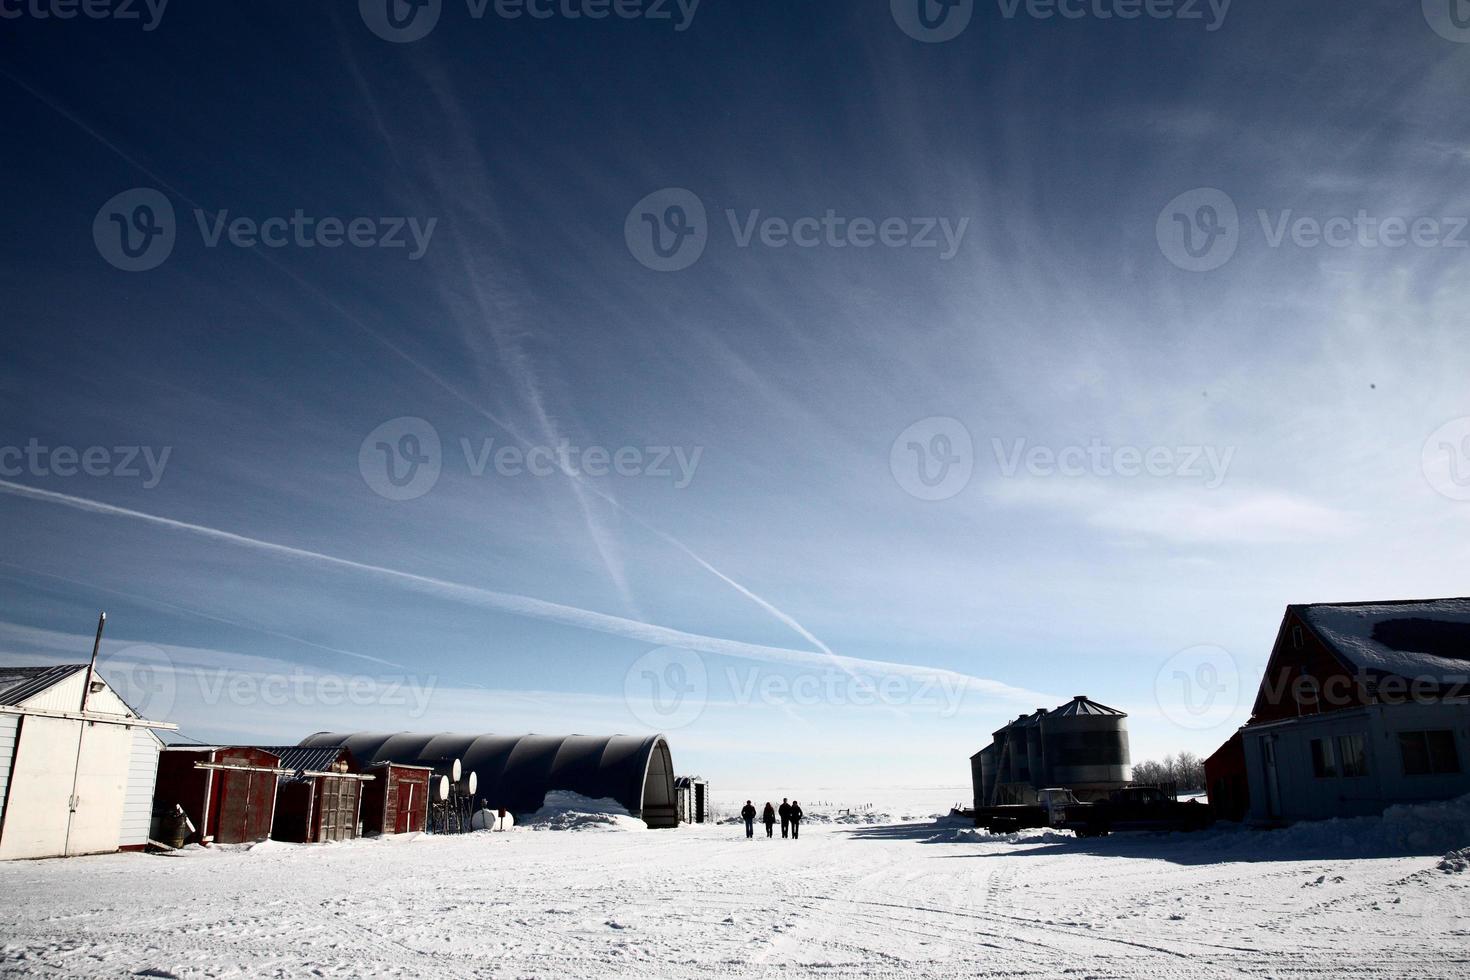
x: 530, y: 607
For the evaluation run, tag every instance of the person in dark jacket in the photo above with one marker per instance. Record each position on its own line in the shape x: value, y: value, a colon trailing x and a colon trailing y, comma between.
x: 748, y: 815
x: 796, y: 816
x: 769, y: 819
x: 785, y: 816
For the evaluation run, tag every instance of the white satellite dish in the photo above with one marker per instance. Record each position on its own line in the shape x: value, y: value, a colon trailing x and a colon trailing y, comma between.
x: 442, y: 788
x: 455, y: 772
x: 472, y: 782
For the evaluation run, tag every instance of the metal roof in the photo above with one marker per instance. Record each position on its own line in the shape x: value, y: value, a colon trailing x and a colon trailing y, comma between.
x: 19, y: 684
x: 1081, y: 705
x: 299, y: 759
x: 517, y: 771
x: 1422, y: 638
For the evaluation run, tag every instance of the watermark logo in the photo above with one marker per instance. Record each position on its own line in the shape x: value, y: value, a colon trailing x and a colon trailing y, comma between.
x: 1446, y: 459
x: 667, y: 688
x: 401, y: 459
x: 933, y: 459
x: 144, y: 676
x: 932, y: 21
x: 35, y: 458
x: 403, y: 21
x: 1209, y: 464
x: 1198, y: 688
x: 1450, y: 19
x: 400, y: 21
x: 135, y: 230
x: 148, y: 12
x: 1199, y: 231
x: 668, y: 230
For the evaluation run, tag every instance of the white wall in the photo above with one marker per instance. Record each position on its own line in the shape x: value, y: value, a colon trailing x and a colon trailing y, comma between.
x: 137, y: 816
x: 8, y: 726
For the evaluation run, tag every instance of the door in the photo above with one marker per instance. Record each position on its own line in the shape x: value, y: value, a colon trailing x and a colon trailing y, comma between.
x: 1273, y: 785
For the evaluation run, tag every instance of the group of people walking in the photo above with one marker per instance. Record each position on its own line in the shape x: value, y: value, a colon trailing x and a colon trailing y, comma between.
x: 789, y: 812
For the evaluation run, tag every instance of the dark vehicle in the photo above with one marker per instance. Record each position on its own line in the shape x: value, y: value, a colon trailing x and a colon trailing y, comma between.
x: 1133, y: 808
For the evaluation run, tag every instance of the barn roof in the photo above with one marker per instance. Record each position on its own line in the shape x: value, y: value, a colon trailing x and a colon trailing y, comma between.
x: 1425, y: 638
x: 18, y: 684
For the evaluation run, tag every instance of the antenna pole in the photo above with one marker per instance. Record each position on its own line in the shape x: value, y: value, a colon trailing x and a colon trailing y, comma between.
x: 92, y: 666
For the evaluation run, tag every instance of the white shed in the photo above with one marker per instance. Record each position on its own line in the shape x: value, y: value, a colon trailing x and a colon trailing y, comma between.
x: 72, y: 781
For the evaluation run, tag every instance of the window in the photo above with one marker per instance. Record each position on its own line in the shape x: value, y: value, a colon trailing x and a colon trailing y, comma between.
x: 1323, y: 764
x: 1351, y: 756
x: 1429, y: 753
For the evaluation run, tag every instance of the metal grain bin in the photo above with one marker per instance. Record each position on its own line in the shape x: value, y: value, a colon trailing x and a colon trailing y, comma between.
x: 1016, y: 746
x: 982, y: 774
x: 1085, y: 743
x: 1035, y: 756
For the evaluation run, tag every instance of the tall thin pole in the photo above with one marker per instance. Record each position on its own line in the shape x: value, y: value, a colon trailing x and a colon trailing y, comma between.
x: 76, y: 769
x: 92, y: 666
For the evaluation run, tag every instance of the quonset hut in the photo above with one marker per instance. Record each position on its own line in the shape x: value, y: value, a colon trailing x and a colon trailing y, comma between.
x: 517, y: 771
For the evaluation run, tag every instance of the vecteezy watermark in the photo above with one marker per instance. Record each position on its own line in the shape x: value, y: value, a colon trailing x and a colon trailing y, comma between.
x: 1200, y: 230
x: 667, y: 688
x: 1446, y: 459
x: 144, y: 676
x: 136, y: 230
x: 1209, y: 464
x: 832, y: 687
x: 403, y: 458
x: 36, y: 458
x: 244, y: 689
x: 403, y: 21
x: 149, y: 13
x: 669, y: 229
x: 933, y: 459
x: 935, y: 21
x: 1450, y: 19
x: 1198, y: 688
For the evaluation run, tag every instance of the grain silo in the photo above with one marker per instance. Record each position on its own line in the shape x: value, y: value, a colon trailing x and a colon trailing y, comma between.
x: 1035, y: 754
x: 1086, y: 747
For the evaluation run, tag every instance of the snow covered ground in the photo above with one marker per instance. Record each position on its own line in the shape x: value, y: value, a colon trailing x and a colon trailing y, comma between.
x: 917, y: 898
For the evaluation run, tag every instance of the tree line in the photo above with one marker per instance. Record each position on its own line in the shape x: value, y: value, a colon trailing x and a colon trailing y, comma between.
x: 1185, y: 770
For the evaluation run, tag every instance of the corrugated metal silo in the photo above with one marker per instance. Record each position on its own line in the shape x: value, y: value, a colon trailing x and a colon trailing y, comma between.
x: 1016, y: 746
x: 1086, y: 743
x: 989, y: 758
x: 1035, y: 756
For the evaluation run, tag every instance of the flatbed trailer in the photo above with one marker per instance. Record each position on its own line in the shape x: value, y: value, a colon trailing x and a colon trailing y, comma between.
x: 1136, y: 808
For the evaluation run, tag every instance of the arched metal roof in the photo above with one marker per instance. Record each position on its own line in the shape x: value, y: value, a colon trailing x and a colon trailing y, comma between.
x: 517, y: 771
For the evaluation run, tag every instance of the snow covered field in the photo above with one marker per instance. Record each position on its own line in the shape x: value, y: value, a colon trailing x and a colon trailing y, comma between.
x: 1364, y: 898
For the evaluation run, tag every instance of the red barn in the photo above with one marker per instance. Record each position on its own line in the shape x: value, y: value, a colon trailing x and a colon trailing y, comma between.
x: 397, y: 799
x: 229, y: 794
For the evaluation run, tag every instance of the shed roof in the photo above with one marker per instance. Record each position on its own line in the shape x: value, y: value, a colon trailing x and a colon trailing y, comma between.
x: 19, y: 684
x: 1421, y: 638
x: 301, y: 759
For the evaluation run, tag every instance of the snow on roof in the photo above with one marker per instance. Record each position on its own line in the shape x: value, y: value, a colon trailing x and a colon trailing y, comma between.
x: 18, y: 684
x: 1421, y: 639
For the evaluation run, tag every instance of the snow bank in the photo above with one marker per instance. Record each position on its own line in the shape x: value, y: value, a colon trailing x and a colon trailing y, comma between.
x: 564, y: 810
x: 1418, y: 828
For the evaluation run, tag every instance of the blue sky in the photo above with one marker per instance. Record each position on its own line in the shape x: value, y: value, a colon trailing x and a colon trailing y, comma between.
x: 1286, y: 401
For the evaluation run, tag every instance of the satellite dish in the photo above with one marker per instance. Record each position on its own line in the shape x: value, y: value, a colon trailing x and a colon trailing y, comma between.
x: 442, y: 788
x: 455, y: 771
x: 472, y: 783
